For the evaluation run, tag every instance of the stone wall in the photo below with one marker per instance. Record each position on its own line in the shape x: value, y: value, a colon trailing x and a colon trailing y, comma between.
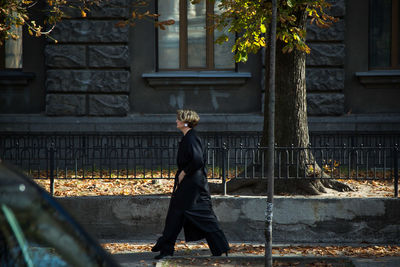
x: 295, y: 220
x: 325, y: 65
x: 88, y: 69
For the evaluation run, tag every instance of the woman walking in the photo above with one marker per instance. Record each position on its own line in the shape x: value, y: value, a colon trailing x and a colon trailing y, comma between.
x: 190, y: 205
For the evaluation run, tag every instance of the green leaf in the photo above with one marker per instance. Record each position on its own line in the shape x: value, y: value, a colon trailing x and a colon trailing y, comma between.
x: 221, y: 39
x: 263, y: 28
x: 290, y: 3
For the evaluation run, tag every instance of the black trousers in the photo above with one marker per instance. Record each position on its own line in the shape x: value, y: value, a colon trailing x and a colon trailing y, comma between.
x: 173, y: 225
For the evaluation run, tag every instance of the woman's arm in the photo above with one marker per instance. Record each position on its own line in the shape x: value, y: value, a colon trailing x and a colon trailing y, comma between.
x: 193, y: 156
x: 181, y: 176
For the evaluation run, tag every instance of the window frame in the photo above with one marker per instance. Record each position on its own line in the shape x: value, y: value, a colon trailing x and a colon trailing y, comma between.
x: 395, y: 34
x: 395, y: 39
x: 183, y: 41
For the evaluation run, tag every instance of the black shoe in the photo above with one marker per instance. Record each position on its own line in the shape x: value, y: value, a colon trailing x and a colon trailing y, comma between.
x: 158, y: 246
x: 163, y: 254
x: 217, y: 255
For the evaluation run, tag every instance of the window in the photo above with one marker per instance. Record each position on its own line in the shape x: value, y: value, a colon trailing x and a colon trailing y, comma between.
x: 384, y: 34
x: 189, y: 44
x: 11, y: 62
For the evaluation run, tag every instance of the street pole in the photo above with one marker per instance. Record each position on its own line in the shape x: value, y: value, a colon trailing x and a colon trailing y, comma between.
x: 271, y: 139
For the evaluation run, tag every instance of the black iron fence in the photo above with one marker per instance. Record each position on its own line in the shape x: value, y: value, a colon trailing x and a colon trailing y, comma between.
x: 152, y: 156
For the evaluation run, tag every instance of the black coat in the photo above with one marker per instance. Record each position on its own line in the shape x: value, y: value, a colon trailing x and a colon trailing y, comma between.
x: 192, y: 195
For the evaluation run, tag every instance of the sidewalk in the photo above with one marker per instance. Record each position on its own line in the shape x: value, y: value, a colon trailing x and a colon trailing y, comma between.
x: 258, y: 261
x: 146, y: 259
x: 138, y: 254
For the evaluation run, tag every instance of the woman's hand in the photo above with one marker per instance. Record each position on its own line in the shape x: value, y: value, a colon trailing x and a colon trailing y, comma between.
x: 181, y: 176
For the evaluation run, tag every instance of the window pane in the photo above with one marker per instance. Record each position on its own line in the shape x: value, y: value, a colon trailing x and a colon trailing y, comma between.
x: 168, y: 40
x: 223, y: 57
x: 380, y: 33
x: 196, y: 34
x: 13, y: 51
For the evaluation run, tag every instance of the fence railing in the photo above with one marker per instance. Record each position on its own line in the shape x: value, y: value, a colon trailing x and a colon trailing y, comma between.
x: 172, y: 139
x: 153, y: 157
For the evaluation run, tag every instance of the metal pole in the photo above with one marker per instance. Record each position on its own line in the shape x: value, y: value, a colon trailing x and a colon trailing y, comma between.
x: 396, y: 171
x: 271, y: 139
x: 224, y: 154
x: 52, y: 149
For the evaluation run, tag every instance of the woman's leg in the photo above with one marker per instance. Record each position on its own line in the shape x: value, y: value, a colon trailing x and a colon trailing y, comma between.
x: 217, y: 243
x: 173, y: 225
x: 181, y: 198
x: 172, y: 228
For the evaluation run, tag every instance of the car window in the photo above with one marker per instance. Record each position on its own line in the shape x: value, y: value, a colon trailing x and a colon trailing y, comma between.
x: 18, y: 249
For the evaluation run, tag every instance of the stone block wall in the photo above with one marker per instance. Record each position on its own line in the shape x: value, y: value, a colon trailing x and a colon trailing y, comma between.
x: 88, y: 69
x: 325, y: 65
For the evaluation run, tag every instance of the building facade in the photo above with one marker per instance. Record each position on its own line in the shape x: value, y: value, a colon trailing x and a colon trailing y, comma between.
x: 103, y: 78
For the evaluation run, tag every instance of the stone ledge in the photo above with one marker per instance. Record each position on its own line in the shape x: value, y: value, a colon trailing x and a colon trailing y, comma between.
x: 380, y: 79
x: 16, y: 77
x: 130, y: 123
x: 196, y: 80
x: 373, y: 123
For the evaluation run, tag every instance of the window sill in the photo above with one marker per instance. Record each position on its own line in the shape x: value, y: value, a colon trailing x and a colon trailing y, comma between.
x: 379, y: 78
x: 196, y: 80
x: 15, y: 77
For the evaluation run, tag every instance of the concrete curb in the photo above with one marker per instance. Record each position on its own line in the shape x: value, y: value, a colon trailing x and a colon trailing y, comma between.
x: 296, y: 219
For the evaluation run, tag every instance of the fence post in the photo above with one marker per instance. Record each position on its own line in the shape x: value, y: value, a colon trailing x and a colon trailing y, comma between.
x: 224, y: 154
x: 396, y: 170
x: 51, y: 159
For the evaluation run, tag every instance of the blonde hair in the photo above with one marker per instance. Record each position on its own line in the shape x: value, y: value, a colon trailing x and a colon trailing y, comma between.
x: 188, y: 116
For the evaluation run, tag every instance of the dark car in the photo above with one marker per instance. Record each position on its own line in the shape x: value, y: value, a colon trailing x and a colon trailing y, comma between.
x: 36, y: 231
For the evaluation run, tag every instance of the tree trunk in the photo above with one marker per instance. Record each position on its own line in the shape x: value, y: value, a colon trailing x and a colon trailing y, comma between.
x: 291, y: 124
x: 291, y: 127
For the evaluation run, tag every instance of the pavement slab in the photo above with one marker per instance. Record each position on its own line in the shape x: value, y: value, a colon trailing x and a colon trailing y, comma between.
x: 377, y: 262
x: 138, y: 254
